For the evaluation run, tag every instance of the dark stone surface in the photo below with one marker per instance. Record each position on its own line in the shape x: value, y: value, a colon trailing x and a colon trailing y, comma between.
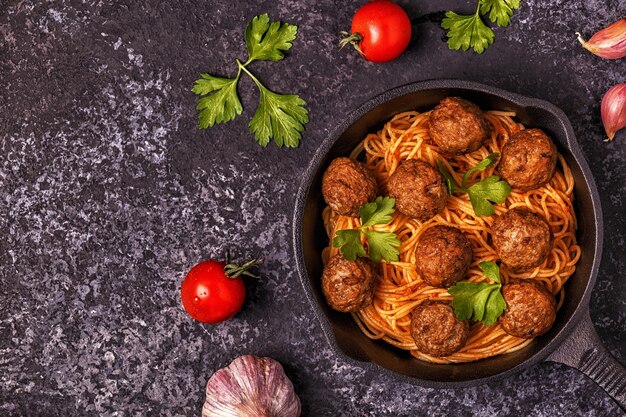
x: 109, y: 194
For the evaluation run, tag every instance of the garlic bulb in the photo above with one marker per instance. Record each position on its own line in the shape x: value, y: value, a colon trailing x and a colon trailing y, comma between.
x: 609, y: 43
x: 613, y: 110
x: 251, y: 387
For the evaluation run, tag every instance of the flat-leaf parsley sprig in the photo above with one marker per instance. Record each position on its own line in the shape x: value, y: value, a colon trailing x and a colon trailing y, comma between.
x: 280, y: 117
x: 482, y: 193
x: 380, y: 245
x: 479, y: 301
x: 469, y: 31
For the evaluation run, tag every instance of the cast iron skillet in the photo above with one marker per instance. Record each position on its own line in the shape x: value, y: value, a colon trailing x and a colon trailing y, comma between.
x: 572, y: 340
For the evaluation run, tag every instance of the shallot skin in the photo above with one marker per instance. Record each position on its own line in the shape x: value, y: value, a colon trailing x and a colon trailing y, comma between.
x: 609, y: 43
x: 613, y: 110
x: 251, y: 386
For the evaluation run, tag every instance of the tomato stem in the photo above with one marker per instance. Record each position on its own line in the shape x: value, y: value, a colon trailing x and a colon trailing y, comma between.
x: 354, y: 39
x: 234, y: 270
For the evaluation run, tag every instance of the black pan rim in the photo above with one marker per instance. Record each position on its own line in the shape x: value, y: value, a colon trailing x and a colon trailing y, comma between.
x: 420, y: 86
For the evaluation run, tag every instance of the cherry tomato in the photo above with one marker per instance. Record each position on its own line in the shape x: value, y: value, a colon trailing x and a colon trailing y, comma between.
x: 381, y: 30
x: 209, y: 295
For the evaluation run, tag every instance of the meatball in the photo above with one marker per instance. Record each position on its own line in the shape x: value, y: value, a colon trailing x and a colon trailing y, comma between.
x: 528, y: 160
x: 349, y: 285
x: 530, y: 311
x: 522, y: 238
x: 347, y: 185
x: 419, y: 190
x: 458, y: 126
x: 443, y: 256
x: 436, y: 330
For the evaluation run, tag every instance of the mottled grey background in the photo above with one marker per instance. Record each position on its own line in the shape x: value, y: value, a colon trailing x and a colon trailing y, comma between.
x: 109, y: 194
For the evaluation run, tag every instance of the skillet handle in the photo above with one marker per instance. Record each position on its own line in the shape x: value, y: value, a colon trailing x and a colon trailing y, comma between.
x: 583, y: 350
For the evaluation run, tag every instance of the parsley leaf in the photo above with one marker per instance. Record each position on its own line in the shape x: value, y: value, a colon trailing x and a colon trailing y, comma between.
x: 266, y: 41
x: 220, y: 107
x: 483, y: 193
x: 349, y: 242
x: 209, y: 83
x: 500, y: 11
x: 469, y: 31
x: 494, y: 308
x: 488, y: 162
x: 466, y: 32
x: 491, y: 189
x: 463, y: 292
x: 380, y: 245
x: 490, y: 270
x: 450, y: 181
x: 377, y: 212
x: 280, y: 117
x: 479, y: 301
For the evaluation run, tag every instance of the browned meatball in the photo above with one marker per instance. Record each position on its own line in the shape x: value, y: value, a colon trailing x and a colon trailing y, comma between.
x: 530, y: 311
x: 443, y: 256
x: 528, y: 160
x: 436, y: 330
x: 522, y: 238
x: 458, y: 126
x: 349, y: 285
x: 419, y: 190
x: 347, y: 185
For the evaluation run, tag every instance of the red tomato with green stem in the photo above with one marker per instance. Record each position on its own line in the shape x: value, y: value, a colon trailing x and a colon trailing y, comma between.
x: 381, y: 31
x: 213, y: 292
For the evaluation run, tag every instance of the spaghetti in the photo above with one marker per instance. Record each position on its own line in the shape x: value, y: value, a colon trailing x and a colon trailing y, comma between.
x: 400, y: 288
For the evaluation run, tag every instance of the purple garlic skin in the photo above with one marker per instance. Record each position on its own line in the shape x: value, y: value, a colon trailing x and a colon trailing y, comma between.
x: 251, y: 386
x: 613, y: 110
x: 609, y: 43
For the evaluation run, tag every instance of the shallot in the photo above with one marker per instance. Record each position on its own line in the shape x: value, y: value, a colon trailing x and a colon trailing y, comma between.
x: 613, y: 110
x: 609, y: 43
